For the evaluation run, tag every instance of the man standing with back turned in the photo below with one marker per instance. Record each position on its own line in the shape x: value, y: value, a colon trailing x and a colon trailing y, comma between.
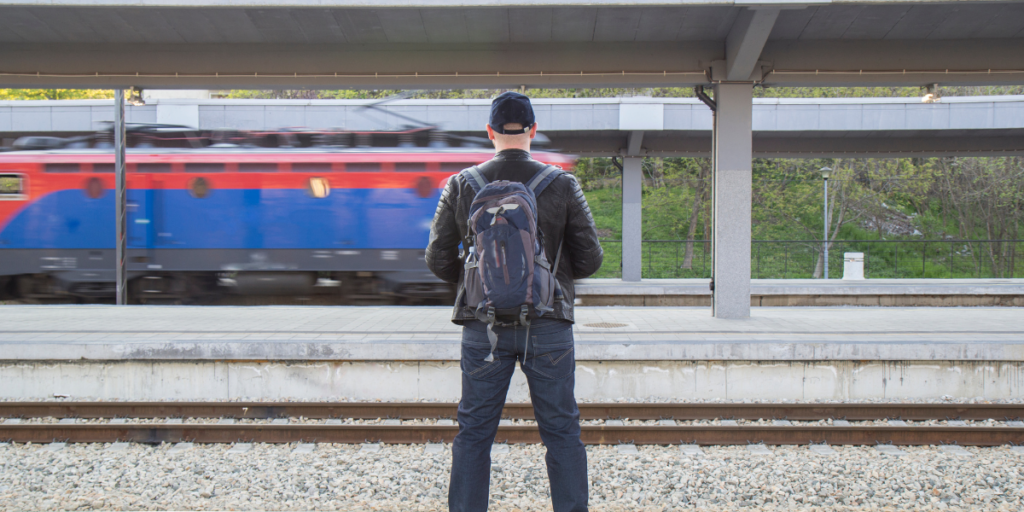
x: 543, y: 344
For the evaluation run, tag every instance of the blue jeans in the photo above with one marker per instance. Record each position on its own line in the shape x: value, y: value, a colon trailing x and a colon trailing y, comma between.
x: 550, y: 371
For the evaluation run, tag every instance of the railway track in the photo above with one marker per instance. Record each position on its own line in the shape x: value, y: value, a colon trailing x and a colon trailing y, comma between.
x: 81, y: 423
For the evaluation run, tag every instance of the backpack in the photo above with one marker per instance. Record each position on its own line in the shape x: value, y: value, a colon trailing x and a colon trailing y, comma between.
x: 508, y: 279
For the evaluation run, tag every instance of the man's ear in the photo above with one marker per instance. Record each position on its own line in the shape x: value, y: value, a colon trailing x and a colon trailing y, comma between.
x: 490, y: 132
x: 533, y: 130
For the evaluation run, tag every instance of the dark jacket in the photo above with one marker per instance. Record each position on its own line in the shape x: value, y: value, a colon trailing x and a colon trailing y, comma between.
x: 563, y: 214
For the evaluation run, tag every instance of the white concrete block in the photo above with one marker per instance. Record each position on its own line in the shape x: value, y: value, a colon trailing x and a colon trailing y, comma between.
x: 1019, y: 450
x: 180, y: 447
x: 853, y: 265
x: 896, y: 423
x: 614, y: 423
x: 4, y: 444
x: 782, y: 423
x: 499, y: 449
x: 12, y: 421
x: 627, y: 449
x: 446, y: 422
x: 117, y: 447
x: 280, y: 421
x: 303, y: 448
x: 392, y: 421
x: 956, y: 423
x: 955, y: 450
x: 888, y: 449
x: 333, y: 421
x: 822, y: 449
x: 53, y: 447
x: 433, y: 448
x: 1015, y: 424
x: 118, y: 421
x: 239, y: 448
x: 729, y: 423
x: 758, y: 449
x: 67, y: 421
x: 840, y: 423
x: 691, y: 450
x: 505, y: 423
x: 172, y: 421
x: 369, y: 448
x: 667, y: 423
x: 226, y: 421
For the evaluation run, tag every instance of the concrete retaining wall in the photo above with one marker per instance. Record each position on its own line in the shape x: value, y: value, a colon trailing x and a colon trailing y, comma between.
x: 595, y: 380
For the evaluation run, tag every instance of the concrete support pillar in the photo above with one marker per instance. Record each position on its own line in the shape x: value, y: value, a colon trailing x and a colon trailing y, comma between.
x: 732, y: 198
x: 632, y: 227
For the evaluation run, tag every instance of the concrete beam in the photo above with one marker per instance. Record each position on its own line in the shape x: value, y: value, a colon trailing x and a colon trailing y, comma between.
x: 731, y: 199
x: 745, y: 40
x: 642, y: 64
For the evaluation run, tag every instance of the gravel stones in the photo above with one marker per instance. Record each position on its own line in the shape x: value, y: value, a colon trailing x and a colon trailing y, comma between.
x: 402, y: 477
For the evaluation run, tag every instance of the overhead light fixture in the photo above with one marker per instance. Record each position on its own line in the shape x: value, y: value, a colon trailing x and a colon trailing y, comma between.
x: 931, y: 94
x: 826, y: 172
x: 135, y: 97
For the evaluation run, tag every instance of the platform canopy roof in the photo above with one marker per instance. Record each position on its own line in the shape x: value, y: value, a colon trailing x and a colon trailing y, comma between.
x: 507, y: 43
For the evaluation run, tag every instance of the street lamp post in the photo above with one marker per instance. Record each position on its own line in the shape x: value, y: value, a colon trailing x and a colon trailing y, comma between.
x: 825, y: 172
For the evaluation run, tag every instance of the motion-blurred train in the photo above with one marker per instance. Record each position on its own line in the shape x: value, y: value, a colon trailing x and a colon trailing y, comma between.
x: 267, y: 213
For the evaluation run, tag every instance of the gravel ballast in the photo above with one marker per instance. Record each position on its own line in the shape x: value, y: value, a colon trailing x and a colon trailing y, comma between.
x: 404, y: 477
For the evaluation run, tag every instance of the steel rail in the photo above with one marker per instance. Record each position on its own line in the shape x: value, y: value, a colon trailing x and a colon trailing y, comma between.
x: 588, y: 411
x: 591, y: 434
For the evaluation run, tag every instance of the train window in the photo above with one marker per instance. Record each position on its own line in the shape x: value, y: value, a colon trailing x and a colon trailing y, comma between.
x: 204, y: 167
x: 62, y: 167
x: 12, y: 186
x: 153, y: 167
x: 199, y: 187
x: 455, y: 167
x: 410, y: 167
x: 102, y: 167
x: 362, y: 167
x: 258, y: 167
x: 312, y: 167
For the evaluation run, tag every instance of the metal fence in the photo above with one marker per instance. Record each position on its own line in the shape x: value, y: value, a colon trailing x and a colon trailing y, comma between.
x: 796, y: 259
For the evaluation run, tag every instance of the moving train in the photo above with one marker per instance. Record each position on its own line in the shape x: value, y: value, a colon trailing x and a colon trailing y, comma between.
x: 268, y: 213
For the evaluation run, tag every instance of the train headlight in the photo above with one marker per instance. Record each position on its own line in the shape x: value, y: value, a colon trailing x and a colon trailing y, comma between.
x: 319, y: 187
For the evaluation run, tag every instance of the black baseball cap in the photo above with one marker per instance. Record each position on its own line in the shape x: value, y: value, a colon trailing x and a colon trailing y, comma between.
x: 511, y: 107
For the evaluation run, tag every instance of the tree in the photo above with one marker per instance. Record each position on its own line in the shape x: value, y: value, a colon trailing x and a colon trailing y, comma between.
x: 56, y: 94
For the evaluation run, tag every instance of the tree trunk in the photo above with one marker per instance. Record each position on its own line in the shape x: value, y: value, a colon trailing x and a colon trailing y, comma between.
x: 699, y: 191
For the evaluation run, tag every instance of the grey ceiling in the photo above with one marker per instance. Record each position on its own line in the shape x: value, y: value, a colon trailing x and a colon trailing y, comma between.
x: 873, y: 21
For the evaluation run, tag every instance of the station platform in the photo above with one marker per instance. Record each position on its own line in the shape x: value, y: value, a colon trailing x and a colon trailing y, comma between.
x: 411, y: 353
x: 809, y: 292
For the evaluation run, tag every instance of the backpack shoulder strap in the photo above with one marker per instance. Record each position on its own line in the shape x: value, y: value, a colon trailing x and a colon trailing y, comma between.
x: 475, y: 179
x: 543, y: 178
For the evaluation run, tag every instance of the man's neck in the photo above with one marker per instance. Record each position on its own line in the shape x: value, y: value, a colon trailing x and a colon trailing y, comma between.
x: 498, y: 149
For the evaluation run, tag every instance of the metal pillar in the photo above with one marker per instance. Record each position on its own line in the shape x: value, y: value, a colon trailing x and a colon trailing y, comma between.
x: 632, y: 210
x: 732, y: 197
x: 825, y: 262
x: 121, y: 198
